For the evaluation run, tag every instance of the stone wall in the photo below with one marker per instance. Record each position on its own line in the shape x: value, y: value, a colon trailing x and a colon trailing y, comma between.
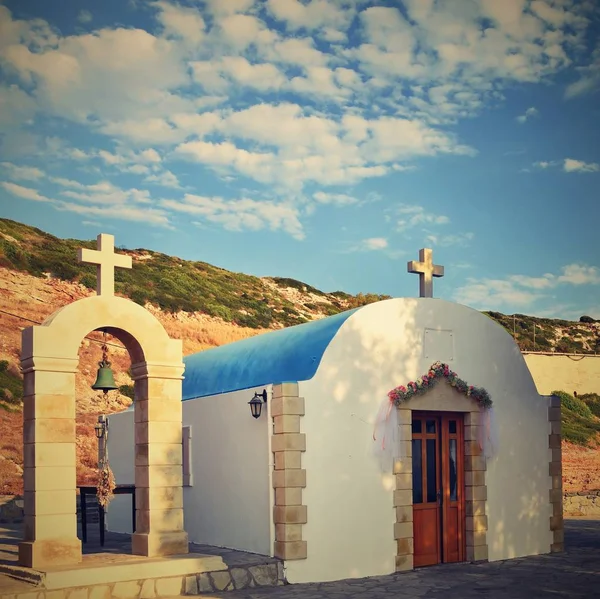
x: 582, y: 503
x: 12, y: 509
x: 564, y: 372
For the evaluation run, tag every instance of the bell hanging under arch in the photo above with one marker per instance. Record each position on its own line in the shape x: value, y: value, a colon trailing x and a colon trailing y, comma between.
x: 105, y: 381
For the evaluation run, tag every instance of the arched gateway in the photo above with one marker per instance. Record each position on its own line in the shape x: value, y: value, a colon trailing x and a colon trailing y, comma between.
x: 49, y: 359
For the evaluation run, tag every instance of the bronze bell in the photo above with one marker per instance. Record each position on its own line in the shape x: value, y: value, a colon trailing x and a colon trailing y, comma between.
x: 105, y: 381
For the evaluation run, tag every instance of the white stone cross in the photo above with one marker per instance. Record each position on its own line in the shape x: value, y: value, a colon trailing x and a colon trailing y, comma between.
x: 425, y: 269
x: 106, y: 261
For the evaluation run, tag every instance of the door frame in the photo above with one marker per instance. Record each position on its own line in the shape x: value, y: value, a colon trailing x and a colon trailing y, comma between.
x: 442, y: 398
x: 442, y: 436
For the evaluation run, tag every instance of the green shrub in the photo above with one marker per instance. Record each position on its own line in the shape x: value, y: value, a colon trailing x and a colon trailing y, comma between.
x: 592, y: 400
x: 574, y: 404
x: 11, y: 386
x: 579, y: 425
x: 587, y: 319
x: 127, y: 391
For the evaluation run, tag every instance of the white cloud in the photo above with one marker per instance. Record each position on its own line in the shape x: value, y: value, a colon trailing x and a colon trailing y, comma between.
x: 375, y: 243
x: 24, y: 192
x: 522, y: 290
x: 528, y: 114
x: 165, y: 179
x: 240, y: 215
x: 569, y: 165
x: 578, y: 274
x: 460, y: 239
x: 263, y: 76
x: 545, y: 164
x: 149, y: 216
x: 589, y: 78
x: 28, y: 173
x: 182, y: 22
x: 67, y: 183
x: 544, y: 282
x: 368, y: 106
x: 298, y: 147
x: 412, y: 215
x: 494, y: 293
x: 17, y: 107
x: 579, y: 166
x: 84, y: 16
x: 310, y: 15
x: 111, y: 74
x: 338, y: 199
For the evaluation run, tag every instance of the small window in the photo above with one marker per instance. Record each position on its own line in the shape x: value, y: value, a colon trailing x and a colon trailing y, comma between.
x: 452, y: 427
x: 430, y: 426
x: 186, y: 441
x: 416, y: 426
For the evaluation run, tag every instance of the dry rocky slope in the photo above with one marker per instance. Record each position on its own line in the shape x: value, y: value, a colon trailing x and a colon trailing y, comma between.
x: 31, y: 290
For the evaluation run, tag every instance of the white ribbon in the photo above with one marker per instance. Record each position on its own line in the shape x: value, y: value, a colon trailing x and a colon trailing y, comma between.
x: 386, y: 436
x: 488, y: 432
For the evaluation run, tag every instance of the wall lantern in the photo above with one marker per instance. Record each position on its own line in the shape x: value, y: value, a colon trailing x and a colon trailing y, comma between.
x: 102, y: 427
x: 256, y: 403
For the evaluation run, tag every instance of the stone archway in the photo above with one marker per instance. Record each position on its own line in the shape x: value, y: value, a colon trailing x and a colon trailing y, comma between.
x: 49, y: 359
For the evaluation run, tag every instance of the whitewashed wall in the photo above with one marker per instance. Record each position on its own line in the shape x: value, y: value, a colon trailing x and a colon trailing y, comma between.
x: 121, y: 456
x: 350, y: 529
x: 230, y: 502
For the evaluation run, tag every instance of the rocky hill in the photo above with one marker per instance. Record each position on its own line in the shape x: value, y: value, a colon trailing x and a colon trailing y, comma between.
x: 201, y: 304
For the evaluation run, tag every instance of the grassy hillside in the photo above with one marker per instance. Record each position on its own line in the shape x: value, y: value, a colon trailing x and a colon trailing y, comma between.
x: 580, y: 417
x: 552, y: 334
x: 174, y: 284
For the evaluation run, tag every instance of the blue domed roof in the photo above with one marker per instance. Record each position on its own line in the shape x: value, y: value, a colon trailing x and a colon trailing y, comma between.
x: 287, y: 355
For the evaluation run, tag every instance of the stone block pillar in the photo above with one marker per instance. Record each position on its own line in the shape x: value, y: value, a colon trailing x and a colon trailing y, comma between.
x: 158, y: 461
x: 403, y: 495
x: 475, y: 491
x: 289, y: 478
x: 50, y: 537
x: 557, y: 525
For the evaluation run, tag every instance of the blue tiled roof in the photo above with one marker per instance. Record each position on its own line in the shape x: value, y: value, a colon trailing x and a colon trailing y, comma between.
x: 287, y: 355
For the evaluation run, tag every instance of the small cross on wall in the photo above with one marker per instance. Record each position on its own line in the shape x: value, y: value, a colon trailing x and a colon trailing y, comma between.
x: 425, y: 269
x: 106, y: 261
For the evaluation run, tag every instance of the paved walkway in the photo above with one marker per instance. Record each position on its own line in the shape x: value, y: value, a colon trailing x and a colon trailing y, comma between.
x: 573, y: 575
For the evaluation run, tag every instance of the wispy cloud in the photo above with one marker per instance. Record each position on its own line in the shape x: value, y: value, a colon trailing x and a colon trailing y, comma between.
x: 459, y: 239
x: 571, y: 165
x: 528, y: 114
x: 26, y: 193
x: 20, y: 173
x: 84, y: 16
x: 521, y: 291
x: 589, y: 78
x: 338, y: 199
x: 413, y: 215
x: 568, y: 165
x: 240, y: 215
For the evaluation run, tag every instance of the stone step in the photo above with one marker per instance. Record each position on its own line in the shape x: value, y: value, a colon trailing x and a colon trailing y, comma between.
x: 168, y: 586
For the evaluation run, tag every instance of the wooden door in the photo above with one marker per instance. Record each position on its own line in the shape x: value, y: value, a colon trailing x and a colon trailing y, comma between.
x: 438, y: 488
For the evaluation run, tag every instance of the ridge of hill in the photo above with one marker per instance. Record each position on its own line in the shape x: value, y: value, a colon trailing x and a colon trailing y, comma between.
x: 173, y: 285
x: 201, y: 304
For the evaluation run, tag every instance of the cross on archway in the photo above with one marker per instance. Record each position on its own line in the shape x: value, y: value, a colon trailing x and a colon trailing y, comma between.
x: 106, y: 261
x: 425, y: 269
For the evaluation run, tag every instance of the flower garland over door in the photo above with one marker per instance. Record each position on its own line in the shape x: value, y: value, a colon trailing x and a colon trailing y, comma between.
x: 386, y: 433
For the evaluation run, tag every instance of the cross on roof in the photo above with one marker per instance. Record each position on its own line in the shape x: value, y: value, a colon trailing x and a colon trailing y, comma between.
x: 106, y: 261
x: 425, y: 269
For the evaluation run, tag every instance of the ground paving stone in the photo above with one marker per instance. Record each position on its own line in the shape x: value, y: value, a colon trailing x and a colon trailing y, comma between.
x: 574, y: 574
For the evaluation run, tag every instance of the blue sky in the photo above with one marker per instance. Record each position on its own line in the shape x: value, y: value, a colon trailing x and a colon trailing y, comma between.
x: 324, y: 140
